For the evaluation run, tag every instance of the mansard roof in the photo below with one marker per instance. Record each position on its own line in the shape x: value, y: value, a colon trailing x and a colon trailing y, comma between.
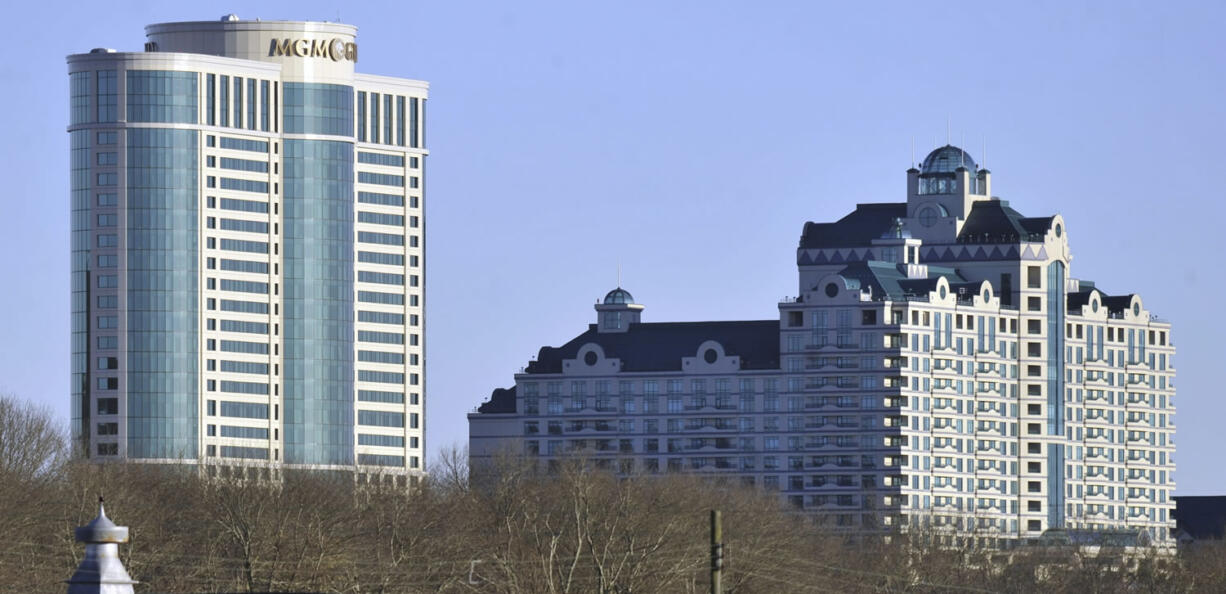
x: 660, y: 346
x: 1201, y: 517
x: 502, y: 400
x: 859, y: 228
x: 993, y: 221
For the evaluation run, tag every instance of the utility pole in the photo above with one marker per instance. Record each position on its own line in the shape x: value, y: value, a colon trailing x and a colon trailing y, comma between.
x: 717, y: 553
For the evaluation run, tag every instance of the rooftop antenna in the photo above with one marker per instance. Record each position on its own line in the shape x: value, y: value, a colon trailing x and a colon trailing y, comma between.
x: 948, y: 136
x: 619, y: 273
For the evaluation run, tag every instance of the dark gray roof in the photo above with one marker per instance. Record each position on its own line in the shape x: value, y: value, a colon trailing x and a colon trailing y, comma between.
x: 887, y: 279
x: 1201, y: 517
x: 502, y: 400
x: 660, y: 346
x: 859, y: 228
x: 1117, y: 303
x: 1076, y: 301
x: 992, y: 221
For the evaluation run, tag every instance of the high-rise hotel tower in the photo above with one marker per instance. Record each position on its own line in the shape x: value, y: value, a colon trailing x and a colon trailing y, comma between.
x: 247, y: 250
x: 938, y: 368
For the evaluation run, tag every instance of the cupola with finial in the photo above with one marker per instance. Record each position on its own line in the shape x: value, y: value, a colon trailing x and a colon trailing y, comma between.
x: 617, y: 311
x: 101, y: 571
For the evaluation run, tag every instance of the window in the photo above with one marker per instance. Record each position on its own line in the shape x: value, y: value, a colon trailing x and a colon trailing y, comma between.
x: 1034, y: 278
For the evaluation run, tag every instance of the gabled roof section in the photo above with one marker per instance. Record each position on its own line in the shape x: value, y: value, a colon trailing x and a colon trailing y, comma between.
x: 993, y: 221
x: 858, y: 229
x: 660, y: 346
x: 887, y: 279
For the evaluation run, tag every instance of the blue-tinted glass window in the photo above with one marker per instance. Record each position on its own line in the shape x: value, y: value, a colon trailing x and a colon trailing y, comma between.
x: 381, y: 317
x: 238, y: 102
x: 264, y: 115
x: 245, y: 432
x: 381, y: 357
x: 380, y: 396
x: 383, y: 179
x: 162, y: 96
x: 414, y: 140
x: 318, y: 289
x: 251, y: 101
x: 361, y: 116
x: 374, y: 117
x: 210, y: 100
x: 400, y: 121
x: 387, y: 441
x: 243, y: 144
x: 243, y: 205
x: 78, y: 98
x: 223, y: 101
x: 239, y: 346
x: 381, y: 258
x: 380, y: 460
x: 384, y: 199
x: 387, y: 119
x: 253, y: 307
x: 162, y: 231
x: 381, y: 159
x: 244, y: 453
x: 108, y: 96
x: 315, y: 108
x: 377, y: 418
x: 379, y: 218
x: 383, y: 298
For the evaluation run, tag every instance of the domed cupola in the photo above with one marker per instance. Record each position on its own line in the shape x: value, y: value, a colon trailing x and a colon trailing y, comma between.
x: 617, y: 311
x: 947, y: 159
x: 618, y: 296
x: 942, y: 190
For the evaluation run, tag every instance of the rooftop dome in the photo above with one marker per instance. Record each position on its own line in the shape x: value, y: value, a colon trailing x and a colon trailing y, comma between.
x: 618, y: 296
x: 947, y: 159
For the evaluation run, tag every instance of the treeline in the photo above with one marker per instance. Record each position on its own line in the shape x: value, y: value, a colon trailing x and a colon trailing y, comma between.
x: 514, y: 531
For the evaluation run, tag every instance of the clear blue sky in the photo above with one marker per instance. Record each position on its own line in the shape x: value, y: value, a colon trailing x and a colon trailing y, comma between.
x: 691, y: 141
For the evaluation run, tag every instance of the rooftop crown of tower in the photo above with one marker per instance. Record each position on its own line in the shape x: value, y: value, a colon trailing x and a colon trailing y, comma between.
x: 617, y: 311
x: 940, y: 193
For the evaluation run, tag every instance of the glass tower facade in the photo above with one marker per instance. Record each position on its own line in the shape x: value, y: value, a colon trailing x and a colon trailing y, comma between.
x: 247, y: 251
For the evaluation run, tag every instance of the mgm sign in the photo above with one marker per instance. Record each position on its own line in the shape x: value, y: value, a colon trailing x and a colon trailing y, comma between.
x: 334, y: 49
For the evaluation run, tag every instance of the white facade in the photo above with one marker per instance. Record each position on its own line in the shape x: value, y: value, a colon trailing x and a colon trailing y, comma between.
x: 287, y: 209
x: 938, y: 368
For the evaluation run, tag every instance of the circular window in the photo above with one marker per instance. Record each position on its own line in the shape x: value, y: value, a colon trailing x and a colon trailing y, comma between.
x: 832, y: 289
x: 710, y: 356
x: 928, y: 216
x: 1136, y: 309
x: 1059, y: 230
x: 944, y: 292
x: 1094, y: 306
x: 590, y: 358
x: 987, y: 294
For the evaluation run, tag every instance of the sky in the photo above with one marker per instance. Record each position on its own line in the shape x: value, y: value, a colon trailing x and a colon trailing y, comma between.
x: 687, y: 143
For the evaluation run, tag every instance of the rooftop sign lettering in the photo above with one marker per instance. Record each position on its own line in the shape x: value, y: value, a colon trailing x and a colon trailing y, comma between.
x: 335, y: 49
